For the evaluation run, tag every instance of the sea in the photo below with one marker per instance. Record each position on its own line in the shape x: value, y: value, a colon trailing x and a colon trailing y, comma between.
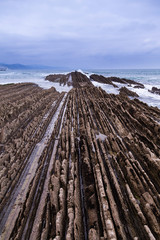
x: 149, y: 77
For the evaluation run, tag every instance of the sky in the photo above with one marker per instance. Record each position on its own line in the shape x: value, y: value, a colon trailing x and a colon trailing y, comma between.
x: 81, y: 33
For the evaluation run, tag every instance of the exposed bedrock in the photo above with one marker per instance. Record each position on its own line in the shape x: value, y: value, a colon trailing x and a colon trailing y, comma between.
x: 25, y: 113
x: 112, y: 157
x: 111, y: 80
x: 99, y: 170
x: 75, y: 79
x: 102, y: 79
x: 155, y: 90
x: 125, y: 81
x: 139, y: 86
x: 54, y: 77
x: 126, y: 91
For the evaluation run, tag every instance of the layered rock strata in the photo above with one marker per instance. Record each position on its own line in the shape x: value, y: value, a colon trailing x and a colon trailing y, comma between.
x: 25, y: 113
x: 126, y: 81
x: 126, y: 91
x: 75, y: 79
x: 105, y: 181
x: 98, y: 174
x: 102, y: 79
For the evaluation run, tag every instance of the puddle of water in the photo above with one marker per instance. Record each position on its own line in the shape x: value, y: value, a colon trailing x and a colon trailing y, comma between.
x: 101, y: 136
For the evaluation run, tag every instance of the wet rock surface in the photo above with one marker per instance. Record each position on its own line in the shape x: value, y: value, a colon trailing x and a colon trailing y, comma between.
x: 126, y: 91
x: 126, y: 81
x: 155, y: 90
x: 111, y: 80
x: 75, y: 79
x: 139, y: 86
x: 55, y: 77
x: 99, y: 169
x: 102, y: 79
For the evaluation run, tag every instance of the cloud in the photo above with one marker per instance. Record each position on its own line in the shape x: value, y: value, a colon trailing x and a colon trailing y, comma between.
x: 78, y: 31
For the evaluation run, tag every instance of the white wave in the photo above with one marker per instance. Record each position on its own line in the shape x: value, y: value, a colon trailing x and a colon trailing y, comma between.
x: 70, y: 79
x: 56, y: 85
x: 86, y: 74
x: 144, y: 95
x: 108, y: 88
x: 40, y: 82
x: 6, y: 73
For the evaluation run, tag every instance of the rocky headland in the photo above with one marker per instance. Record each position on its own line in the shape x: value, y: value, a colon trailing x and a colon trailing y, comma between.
x: 81, y: 165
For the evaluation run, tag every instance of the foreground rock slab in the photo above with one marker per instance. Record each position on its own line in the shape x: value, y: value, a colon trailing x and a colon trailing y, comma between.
x: 98, y: 176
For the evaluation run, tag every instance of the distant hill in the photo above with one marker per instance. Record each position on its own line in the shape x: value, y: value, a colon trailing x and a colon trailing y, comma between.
x: 21, y: 66
x: 14, y: 66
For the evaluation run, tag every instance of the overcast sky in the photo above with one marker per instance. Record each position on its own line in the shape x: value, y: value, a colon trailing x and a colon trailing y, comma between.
x: 81, y: 33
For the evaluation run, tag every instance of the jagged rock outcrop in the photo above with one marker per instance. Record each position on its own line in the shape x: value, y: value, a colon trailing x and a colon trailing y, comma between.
x: 111, y: 80
x: 126, y: 91
x: 75, y: 79
x: 126, y: 81
x: 78, y: 79
x: 155, y: 90
x: 102, y: 79
x: 55, y: 77
x: 139, y: 86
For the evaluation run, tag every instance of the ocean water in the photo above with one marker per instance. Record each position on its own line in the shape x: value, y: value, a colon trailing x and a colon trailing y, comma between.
x: 149, y: 77
x: 34, y: 76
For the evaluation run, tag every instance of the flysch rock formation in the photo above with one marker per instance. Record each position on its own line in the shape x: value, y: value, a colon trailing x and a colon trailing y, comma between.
x: 102, y: 79
x: 126, y: 81
x: 25, y: 111
x: 126, y: 91
x: 77, y: 79
x: 112, y: 80
x: 98, y: 175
